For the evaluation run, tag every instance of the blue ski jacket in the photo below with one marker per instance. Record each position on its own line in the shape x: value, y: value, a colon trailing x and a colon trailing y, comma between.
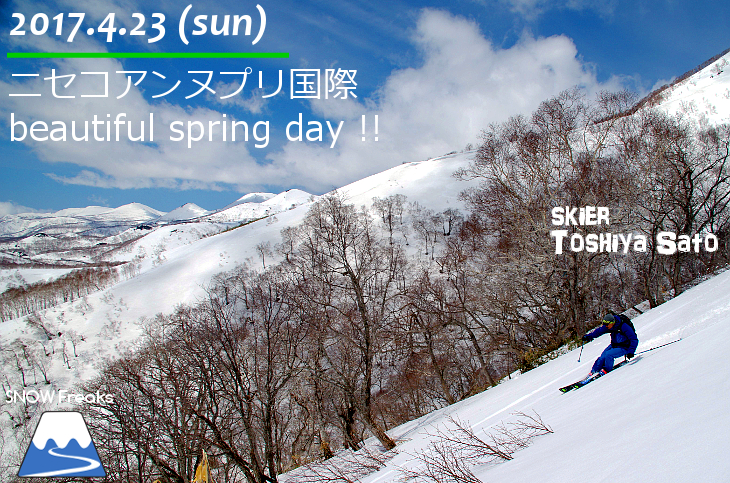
x: 622, y: 336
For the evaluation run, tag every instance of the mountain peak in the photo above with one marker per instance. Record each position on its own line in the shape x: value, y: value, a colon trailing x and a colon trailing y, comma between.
x: 188, y: 211
x: 257, y: 197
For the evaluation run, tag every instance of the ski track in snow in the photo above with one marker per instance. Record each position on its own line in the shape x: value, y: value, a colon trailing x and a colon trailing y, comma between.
x: 550, y: 385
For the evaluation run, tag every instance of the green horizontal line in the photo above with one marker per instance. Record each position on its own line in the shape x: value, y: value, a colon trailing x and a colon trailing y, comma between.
x: 148, y: 55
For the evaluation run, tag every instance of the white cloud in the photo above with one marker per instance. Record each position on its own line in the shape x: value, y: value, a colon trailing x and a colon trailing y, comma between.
x: 12, y: 208
x: 531, y: 9
x: 464, y: 84
x: 226, y: 95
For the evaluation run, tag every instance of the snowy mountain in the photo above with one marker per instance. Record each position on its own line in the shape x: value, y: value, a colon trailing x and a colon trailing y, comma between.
x: 93, y: 235
x: 250, y: 198
x: 188, y: 211
x: 76, y: 220
x: 70, y: 237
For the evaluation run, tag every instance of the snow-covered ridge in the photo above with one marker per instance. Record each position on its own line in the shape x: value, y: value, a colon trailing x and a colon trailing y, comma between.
x: 88, y: 211
x: 250, y: 198
x: 704, y: 95
x: 258, y: 205
x: 130, y: 211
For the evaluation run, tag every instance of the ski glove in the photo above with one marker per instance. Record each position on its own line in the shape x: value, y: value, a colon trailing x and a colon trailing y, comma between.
x: 629, y: 356
x: 586, y: 338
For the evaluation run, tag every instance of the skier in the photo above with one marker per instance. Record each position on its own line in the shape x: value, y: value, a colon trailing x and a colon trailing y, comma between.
x: 623, y: 342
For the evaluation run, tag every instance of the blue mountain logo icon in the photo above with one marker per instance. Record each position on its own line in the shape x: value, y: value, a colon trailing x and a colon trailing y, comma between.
x: 61, y: 446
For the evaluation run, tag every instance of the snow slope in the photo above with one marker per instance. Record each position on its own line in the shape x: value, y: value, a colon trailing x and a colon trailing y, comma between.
x: 704, y: 95
x: 430, y: 182
x: 187, y: 269
x: 258, y: 205
x: 25, y: 276
x: 662, y: 418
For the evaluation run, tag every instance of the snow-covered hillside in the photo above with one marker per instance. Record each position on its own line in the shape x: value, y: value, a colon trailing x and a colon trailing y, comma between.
x: 24, y: 276
x: 258, y: 205
x: 662, y: 418
x: 704, y: 95
x: 177, y: 262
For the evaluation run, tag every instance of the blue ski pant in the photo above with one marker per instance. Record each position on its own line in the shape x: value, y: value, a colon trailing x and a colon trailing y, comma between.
x: 605, y: 361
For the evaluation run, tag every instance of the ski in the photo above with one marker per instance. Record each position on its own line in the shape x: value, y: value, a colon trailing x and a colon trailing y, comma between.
x: 591, y: 378
x: 581, y: 383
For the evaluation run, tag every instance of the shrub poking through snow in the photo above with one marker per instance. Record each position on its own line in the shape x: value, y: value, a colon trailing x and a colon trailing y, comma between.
x: 457, y: 449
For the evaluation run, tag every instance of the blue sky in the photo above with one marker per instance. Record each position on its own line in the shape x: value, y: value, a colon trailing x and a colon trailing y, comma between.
x: 435, y: 74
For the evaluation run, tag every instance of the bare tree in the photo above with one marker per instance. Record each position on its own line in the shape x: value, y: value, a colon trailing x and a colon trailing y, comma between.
x: 684, y: 188
x: 426, y: 225
x: 353, y: 281
x: 264, y: 249
x: 390, y: 210
x: 347, y: 467
x: 559, y: 156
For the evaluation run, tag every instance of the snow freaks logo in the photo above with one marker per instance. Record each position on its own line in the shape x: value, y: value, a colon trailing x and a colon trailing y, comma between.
x: 61, y: 446
x: 61, y: 397
x: 667, y: 242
